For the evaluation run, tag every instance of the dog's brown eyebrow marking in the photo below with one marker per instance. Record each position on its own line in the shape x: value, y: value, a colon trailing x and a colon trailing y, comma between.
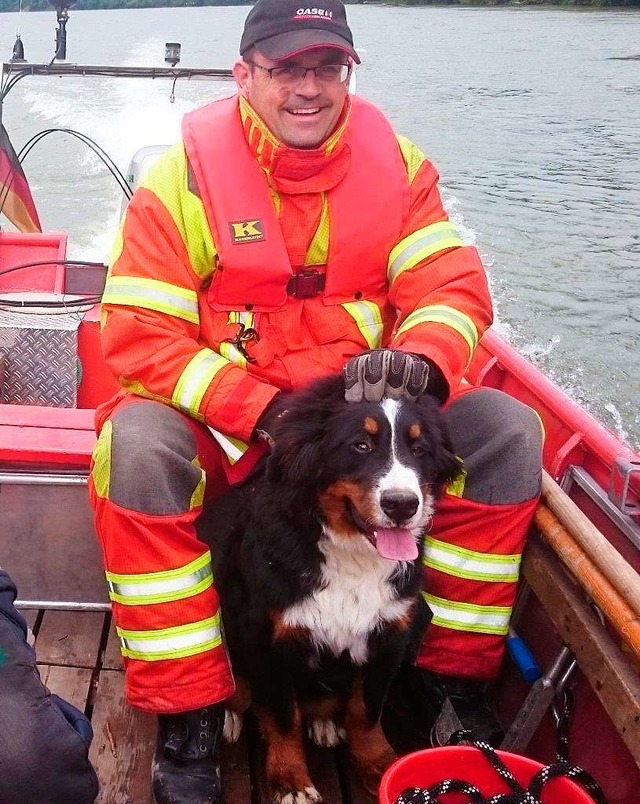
x: 415, y: 431
x: 371, y: 425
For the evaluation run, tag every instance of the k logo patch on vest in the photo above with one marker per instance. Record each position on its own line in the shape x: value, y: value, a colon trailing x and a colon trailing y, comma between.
x: 246, y: 231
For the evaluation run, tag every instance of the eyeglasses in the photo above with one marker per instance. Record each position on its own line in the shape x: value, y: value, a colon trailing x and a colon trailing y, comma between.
x: 292, y: 76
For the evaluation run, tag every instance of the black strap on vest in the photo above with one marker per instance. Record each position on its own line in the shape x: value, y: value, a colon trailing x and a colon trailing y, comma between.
x: 306, y: 285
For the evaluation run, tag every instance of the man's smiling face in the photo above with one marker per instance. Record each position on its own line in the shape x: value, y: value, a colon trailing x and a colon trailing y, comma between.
x: 303, y: 114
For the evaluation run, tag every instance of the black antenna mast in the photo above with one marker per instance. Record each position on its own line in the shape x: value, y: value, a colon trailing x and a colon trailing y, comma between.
x: 62, y: 15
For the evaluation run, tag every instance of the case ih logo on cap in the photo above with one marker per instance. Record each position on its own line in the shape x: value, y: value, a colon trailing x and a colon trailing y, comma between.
x: 246, y: 231
x: 313, y: 13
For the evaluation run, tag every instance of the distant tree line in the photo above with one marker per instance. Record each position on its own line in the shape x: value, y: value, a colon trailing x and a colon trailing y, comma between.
x: 41, y: 5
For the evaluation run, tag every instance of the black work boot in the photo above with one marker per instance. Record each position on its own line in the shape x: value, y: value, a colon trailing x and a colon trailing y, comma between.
x: 186, y: 765
x: 423, y: 709
x: 465, y: 705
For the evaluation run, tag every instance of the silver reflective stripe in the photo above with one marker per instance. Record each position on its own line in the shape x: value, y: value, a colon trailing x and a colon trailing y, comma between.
x: 162, y: 587
x: 172, y: 643
x: 468, y: 617
x: 443, y: 314
x: 195, y: 380
x: 233, y: 354
x: 463, y: 563
x: 420, y: 245
x: 367, y: 316
x: 233, y: 447
x: 152, y: 295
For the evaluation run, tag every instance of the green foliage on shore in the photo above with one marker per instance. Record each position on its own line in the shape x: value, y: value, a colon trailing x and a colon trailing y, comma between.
x: 42, y: 5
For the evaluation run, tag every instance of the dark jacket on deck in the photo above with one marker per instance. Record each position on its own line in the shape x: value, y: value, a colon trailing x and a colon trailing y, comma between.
x: 44, y: 741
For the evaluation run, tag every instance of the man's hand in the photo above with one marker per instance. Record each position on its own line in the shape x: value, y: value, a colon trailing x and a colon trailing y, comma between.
x: 385, y: 372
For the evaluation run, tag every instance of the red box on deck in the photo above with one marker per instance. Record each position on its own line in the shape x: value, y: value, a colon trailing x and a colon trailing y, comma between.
x: 17, y: 248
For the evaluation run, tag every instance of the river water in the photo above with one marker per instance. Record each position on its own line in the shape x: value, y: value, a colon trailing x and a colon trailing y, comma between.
x: 532, y: 116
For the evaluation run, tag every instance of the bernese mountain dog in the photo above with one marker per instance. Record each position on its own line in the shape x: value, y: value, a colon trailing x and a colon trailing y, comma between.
x: 320, y: 584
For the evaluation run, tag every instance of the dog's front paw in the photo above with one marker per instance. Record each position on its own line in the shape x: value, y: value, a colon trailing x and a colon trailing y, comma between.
x: 307, y: 796
x: 325, y: 732
x: 232, y: 726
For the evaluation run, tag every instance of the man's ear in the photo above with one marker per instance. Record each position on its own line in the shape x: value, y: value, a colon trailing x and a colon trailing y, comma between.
x: 242, y: 74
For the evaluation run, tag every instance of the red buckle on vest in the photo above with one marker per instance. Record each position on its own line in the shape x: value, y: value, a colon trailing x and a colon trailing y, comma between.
x: 306, y: 285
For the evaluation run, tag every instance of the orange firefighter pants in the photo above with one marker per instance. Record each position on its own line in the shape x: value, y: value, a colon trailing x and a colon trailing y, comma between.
x: 155, y: 467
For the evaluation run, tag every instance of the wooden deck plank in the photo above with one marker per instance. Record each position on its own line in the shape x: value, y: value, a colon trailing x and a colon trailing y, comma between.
x: 354, y: 789
x: 70, y: 638
x: 71, y: 683
x: 324, y: 772
x: 112, y: 659
x: 236, y: 778
x: 123, y: 744
x: 124, y: 739
x: 30, y: 615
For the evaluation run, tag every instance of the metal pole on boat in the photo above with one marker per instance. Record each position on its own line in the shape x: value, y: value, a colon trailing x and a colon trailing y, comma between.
x: 62, y: 16
x: 18, y: 46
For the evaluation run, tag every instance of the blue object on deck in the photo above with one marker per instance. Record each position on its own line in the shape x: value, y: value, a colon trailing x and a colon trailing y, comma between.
x: 523, y: 658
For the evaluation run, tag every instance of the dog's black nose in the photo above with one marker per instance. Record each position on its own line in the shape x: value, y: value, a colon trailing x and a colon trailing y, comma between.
x: 399, y: 505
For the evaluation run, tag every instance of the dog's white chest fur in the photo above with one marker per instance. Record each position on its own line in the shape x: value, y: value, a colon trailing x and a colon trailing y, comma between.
x: 355, y: 598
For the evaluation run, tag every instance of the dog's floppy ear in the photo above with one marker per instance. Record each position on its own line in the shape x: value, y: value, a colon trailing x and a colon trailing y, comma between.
x: 298, y: 436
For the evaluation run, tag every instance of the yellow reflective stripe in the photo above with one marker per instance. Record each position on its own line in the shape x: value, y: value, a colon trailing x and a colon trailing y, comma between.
x: 171, y: 643
x: 367, y: 316
x: 231, y: 352
x: 162, y: 587
x: 456, y: 487
x: 101, y: 467
x: 233, y: 447
x: 195, y: 379
x: 468, y: 617
x: 412, y: 156
x: 242, y: 317
x: 168, y: 180
x: 118, y: 245
x: 197, y: 498
x: 138, y: 388
x: 463, y: 563
x: 152, y: 294
x: 420, y: 245
x: 318, y: 253
x: 441, y: 314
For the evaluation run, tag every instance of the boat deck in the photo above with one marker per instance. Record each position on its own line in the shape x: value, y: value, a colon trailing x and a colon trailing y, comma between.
x: 79, y: 659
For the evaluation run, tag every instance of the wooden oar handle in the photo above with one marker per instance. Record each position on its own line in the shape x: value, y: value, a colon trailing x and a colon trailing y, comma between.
x: 603, y: 554
x: 613, y: 605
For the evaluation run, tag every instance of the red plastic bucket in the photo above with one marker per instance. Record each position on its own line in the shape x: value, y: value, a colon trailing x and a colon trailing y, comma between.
x: 433, y: 765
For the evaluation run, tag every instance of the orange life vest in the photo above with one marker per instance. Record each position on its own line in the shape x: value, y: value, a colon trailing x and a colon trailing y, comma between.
x: 367, y: 209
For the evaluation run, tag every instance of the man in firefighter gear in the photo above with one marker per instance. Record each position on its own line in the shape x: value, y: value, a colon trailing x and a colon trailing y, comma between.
x: 290, y: 234
x: 44, y: 740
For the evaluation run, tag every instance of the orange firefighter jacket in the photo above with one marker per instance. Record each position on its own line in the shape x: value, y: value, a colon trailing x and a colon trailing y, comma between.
x: 244, y: 266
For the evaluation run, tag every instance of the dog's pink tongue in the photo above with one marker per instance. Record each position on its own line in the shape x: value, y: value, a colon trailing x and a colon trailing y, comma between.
x: 396, y: 543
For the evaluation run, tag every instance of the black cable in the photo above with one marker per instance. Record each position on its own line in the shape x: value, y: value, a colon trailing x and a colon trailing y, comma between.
x: 86, y: 140
x: 51, y: 304
x: 532, y: 795
x: 38, y: 263
x: 28, y: 304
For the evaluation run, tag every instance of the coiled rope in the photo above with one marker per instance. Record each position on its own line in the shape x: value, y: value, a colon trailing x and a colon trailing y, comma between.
x: 532, y: 795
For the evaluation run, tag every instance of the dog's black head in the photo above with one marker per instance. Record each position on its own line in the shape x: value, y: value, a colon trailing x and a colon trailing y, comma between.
x: 366, y: 470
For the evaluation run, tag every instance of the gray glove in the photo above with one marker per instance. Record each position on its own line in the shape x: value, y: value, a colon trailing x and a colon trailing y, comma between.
x: 385, y: 372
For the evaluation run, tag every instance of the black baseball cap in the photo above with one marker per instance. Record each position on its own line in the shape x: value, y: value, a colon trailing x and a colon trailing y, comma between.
x: 283, y: 28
